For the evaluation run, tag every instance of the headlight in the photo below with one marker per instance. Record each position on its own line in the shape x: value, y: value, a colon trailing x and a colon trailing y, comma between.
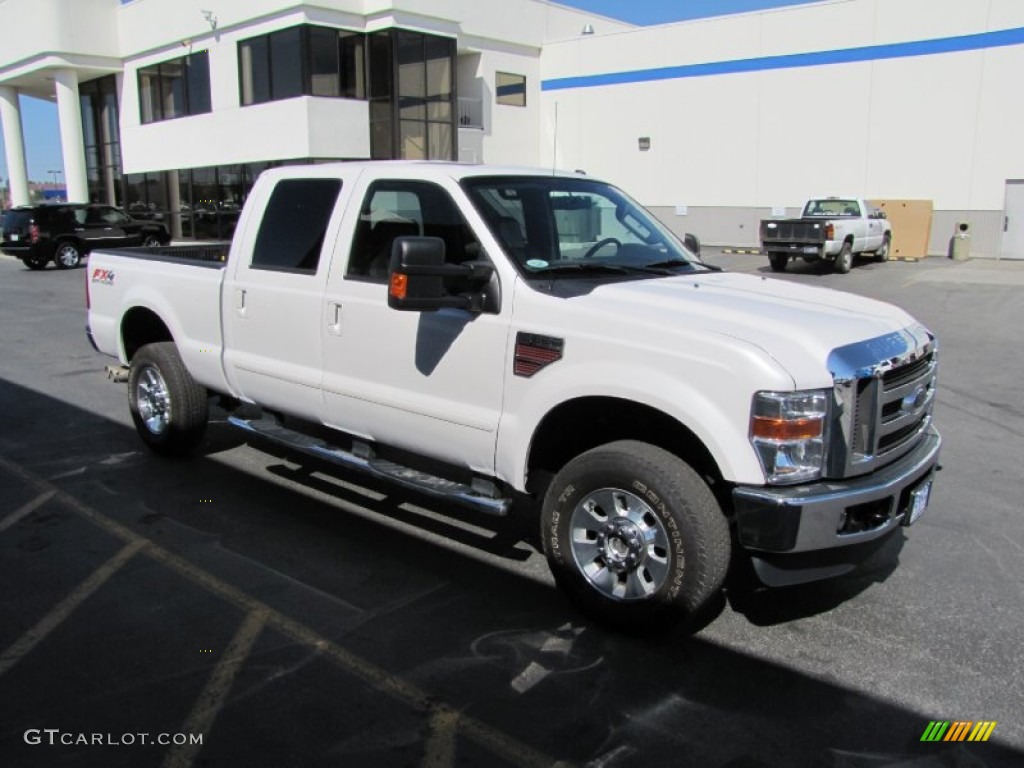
x: 788, y: 431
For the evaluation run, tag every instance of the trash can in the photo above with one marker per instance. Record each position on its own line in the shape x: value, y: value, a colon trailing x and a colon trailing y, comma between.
x: 961, y: 246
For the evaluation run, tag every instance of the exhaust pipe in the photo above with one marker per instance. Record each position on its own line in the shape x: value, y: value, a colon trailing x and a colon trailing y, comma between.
x: 117, y: 373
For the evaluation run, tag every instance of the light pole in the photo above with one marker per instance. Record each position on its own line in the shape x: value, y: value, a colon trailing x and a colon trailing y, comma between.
x: 55, y: 175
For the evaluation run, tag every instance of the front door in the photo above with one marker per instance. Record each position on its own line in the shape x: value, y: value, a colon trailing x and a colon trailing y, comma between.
x: 429, y: 382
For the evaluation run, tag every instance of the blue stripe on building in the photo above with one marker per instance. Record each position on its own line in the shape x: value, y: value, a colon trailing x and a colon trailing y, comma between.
x: 975, y: 42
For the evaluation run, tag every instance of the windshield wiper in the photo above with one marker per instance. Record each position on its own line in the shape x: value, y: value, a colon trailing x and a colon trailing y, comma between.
x: 669, y: 263
x: 598, y: 267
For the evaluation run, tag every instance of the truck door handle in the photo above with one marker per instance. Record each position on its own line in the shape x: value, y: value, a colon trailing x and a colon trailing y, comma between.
x: 240, y: 302
x: 334, y: 318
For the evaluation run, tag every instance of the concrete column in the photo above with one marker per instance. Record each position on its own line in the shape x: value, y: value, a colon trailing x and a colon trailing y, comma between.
x: 69, y: 112
x: 14, y: 145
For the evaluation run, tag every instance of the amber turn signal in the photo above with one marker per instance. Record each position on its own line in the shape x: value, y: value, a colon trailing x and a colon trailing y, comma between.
x: 786, y: 429
x: 399, y: 285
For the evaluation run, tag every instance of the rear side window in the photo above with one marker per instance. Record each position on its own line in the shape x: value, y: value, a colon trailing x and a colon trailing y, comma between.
x: 294, y: 224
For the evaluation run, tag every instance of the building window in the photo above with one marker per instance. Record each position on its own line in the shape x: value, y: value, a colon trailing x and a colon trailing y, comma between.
x: 175, y: 88
x: 510, y: 89
x: 302, y: 61
x: 294, y: 225
x: 102, y: 139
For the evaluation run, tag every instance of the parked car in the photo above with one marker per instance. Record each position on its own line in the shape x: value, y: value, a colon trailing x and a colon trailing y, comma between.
x: 65, y: 233
x: 836, y: 229
x: 497, y: 338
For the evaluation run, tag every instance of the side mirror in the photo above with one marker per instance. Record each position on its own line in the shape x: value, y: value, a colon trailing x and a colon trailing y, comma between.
x: 417, y: 273
x: 692, y: 243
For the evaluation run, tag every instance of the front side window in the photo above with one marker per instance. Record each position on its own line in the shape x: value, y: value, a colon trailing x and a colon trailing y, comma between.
x: 291, y: 234
x: 558, y: 226
x: 175, y: 88
x: 400, y: 208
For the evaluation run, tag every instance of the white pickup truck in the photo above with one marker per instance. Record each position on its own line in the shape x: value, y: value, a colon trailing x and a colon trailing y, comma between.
x: 831, y: 228
x: 496, y: 336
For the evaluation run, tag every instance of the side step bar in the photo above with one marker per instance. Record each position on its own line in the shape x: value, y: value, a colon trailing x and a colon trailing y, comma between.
x: 483, y: 499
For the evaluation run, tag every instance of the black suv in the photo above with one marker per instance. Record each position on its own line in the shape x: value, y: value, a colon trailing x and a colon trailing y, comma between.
x: 65, y: 232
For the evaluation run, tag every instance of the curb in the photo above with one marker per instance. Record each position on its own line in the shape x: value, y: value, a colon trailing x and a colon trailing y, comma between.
x: 752, y: 251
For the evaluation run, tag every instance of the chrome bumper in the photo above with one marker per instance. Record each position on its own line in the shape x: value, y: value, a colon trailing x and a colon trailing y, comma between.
x: 831, y: 514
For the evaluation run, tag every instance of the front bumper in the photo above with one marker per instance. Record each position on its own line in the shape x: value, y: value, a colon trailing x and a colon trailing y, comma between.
x: 833, y: 514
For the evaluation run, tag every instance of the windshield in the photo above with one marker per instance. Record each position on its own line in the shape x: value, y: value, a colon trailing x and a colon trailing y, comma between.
x: 832, y: 208
x: 554, y: 226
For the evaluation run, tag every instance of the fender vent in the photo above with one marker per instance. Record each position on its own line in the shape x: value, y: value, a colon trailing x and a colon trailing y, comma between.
x: 534, y: 352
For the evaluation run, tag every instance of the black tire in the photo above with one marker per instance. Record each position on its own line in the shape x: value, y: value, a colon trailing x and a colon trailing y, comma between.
x: 844, y: 261
x: 882, y: 254
x: 778, y: 261
x: 35, y: 262
x: 169, y: 408
x: 151, y: 241
x: 660, y: 558
x: 68, y: 254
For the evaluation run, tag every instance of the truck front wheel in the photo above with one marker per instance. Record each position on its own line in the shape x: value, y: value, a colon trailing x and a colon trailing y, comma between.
x: 634, y: 536
x: 778, y: 261
x: 169, y: 408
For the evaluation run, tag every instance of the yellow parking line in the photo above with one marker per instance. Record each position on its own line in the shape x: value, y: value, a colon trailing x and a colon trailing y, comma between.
x: 398, y: 688
x: 25, y: 511
x: 215, y: 694
x: 439, y: 751
x: 66, y: 607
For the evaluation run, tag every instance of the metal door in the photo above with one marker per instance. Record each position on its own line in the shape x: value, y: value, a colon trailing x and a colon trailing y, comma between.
x: 1013, y: 221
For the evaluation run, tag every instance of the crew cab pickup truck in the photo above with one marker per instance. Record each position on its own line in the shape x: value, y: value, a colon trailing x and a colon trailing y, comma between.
x: 830, y: 228
x: 497, y: 337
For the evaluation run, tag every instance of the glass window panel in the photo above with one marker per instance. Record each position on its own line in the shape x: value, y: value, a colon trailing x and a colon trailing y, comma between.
x: 149, y: 94
x: 440, y: 141
x: 294, y: 224
x: 109, y: 129
x: 413, y: 140
x: 286, y: 63
x: 439, y: 89
x: 510, y: 89
x: 352, y: 53
x: 412, y: 79
x: 86, y: 101
x: 172, y: 88
x: 204, y: 204
x: 255, y: 71
x: 380, y: 140
x: 380, y: 65
x: 198, y: 71
x: 323, y: 62
x: 135, y: 193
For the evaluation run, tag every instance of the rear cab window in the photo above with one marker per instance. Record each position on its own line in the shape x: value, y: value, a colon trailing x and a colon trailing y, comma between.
x: 294, y: 224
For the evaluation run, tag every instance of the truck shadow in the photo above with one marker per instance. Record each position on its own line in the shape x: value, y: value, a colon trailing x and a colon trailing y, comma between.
x: 490, y: 639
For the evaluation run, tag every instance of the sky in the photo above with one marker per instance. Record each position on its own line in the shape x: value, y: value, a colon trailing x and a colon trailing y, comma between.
x: 42, y: 135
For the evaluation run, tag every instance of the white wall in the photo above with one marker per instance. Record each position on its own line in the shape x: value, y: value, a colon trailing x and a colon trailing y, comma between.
x: 941, y: 127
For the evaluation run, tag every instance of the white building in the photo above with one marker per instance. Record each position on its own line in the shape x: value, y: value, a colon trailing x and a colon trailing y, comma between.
x: 173, y: 107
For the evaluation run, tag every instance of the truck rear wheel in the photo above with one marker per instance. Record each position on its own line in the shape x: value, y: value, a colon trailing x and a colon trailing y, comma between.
x: 68, y: 255
x: 634, y: 536
x: 844, y: 261
x: 169, y: 408
x: 778, y: 261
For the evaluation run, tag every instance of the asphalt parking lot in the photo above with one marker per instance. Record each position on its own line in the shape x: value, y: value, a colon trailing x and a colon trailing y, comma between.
x: 286, y: 616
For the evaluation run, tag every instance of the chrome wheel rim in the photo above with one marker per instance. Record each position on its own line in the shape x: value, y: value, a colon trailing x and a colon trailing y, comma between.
x: 67, y: 255
x: 620, y: 545
x: 153, y: 400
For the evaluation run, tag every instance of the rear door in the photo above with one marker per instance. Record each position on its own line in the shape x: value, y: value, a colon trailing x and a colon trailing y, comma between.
x: 103, y: 227
x: 272, y: 302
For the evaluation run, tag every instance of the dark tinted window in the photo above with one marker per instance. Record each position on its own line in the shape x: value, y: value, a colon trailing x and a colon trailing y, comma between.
x: 294, y: 224
x: 255, y: 68
x: 286, y: 64
x: 174, y: 88
x: 198, y: 73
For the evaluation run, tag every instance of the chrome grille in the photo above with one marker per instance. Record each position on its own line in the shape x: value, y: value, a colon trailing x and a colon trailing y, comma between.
x: 884, y: 396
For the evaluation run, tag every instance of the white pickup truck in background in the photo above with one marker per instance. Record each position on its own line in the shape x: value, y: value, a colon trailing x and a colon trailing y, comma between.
x: 831, y: 228
x: 494, y: 336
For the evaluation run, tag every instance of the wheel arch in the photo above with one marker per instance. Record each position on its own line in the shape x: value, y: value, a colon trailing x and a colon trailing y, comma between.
x: 141, y: 326
x: 578, y: 425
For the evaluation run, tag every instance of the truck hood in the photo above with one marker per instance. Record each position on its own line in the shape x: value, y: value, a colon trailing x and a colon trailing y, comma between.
x: 796, y: 325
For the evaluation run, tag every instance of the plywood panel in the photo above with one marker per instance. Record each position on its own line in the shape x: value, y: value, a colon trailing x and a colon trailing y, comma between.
x: 911, y: 226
